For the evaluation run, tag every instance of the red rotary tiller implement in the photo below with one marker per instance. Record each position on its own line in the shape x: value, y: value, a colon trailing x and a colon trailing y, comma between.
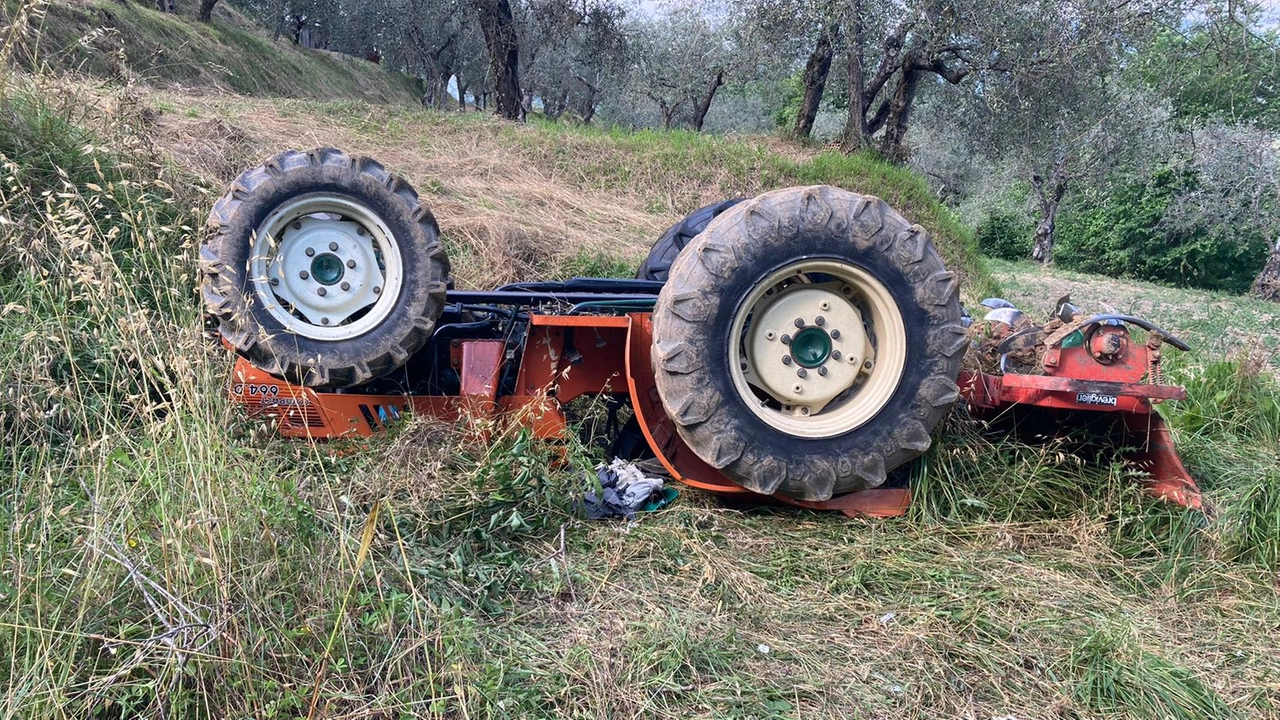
x: 799, y: 345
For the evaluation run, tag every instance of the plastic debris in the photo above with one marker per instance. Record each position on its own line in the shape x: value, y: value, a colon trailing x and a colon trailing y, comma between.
x: 624, y: 491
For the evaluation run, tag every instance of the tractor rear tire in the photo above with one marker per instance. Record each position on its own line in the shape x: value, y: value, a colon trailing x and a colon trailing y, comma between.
x: 323, y: 269
x: 808, y: 342
x: 664, y: 252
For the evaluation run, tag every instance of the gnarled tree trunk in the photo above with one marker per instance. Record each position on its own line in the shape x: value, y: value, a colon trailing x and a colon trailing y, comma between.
x: 587, y: 107
x: 668, y: 110
x: 1049, y: 194
x: 206, y: 10
x: 704, y: 102
x: 856, y: 133
x: 1267, y: 286
x: 499, y: 27
x: 893, y: 144
x: 814, y: 80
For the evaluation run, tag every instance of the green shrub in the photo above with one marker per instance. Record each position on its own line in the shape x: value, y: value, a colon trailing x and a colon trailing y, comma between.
x: 1005, y: 235
x: 1123, y: 233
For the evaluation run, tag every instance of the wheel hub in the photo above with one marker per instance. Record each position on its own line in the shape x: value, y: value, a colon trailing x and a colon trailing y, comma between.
x: 811, y: 347
x: 806, y: 346
x: 326, y: 270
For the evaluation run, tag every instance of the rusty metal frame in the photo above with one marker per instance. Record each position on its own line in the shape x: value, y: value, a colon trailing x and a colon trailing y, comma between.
x: 569, y: 356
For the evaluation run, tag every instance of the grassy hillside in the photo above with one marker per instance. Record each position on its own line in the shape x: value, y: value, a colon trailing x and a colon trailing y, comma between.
x: 542, y: 200
x: 163, y: 556
x: 129, y: 41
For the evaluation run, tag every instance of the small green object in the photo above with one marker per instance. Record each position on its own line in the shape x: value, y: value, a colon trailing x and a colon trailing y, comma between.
x: 327, y: 269
x: 1075, y: 339
x: 811, y: 347
x: 660, y: 499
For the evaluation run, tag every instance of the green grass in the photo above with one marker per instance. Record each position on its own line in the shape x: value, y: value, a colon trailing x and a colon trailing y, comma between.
x: 674, y: 170
x: 542, y: 180
x: 163, y: 555
x: 131, y: 41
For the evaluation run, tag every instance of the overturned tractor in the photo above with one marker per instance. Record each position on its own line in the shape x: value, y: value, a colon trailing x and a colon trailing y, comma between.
x: 799, y: 345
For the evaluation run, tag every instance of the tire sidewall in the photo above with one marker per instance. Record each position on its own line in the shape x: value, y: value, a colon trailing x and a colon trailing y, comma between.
x: 347, y: 361
x: 775, y: 257
x: 695, y: 314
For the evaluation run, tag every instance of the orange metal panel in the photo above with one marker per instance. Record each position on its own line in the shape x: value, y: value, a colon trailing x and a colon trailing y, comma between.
x: 1110, y: 355
x: 304, y: 413
x: 589, y: 321
x: 568, y: 362
x: 875, y: 503
x: 481, y: 362
x: 1158, y: 457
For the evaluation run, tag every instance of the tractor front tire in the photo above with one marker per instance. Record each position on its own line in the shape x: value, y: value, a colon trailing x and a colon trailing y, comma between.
x: 323, y: 269
x: 808, y: 342
x: 664, y: 252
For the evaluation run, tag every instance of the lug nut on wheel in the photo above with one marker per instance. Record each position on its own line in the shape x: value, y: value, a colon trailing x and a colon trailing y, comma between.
x: 322, y: 292
x: 786, y: 339
x: 820, y: 321
x: 311, y: 252
x: 835, y: 334
x: 799, y: 322
x: 836, y: 354
x: 822, y: 371
x: 333, y: 246
x: 786, y: 359
x: 802, y: 373
x: 351, y: 264
x: 304, y: 274
x: 346, y: 286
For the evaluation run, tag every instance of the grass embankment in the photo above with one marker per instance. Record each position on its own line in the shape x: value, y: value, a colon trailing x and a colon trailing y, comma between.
x: 545, y: 200
x: 129, y: 41
x: 162, y: 555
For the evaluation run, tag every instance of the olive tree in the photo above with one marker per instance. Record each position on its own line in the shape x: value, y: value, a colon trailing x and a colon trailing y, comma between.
x: 572, y: 50
x: 503, y: 46
x: 205, y: 13
x: 795, y: 31
x: 1234, y: 192
x: 683, y: 57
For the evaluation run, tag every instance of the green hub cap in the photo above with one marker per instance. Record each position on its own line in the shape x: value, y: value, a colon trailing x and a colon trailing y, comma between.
x: 811, y: 347
x: 327, y: 269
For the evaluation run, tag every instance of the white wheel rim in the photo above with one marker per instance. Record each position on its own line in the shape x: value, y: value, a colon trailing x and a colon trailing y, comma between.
x: 777, y: 336
x: 326, y: 267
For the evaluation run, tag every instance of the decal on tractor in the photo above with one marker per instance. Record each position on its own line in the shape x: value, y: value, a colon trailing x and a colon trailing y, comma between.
x: 1095, y: 399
